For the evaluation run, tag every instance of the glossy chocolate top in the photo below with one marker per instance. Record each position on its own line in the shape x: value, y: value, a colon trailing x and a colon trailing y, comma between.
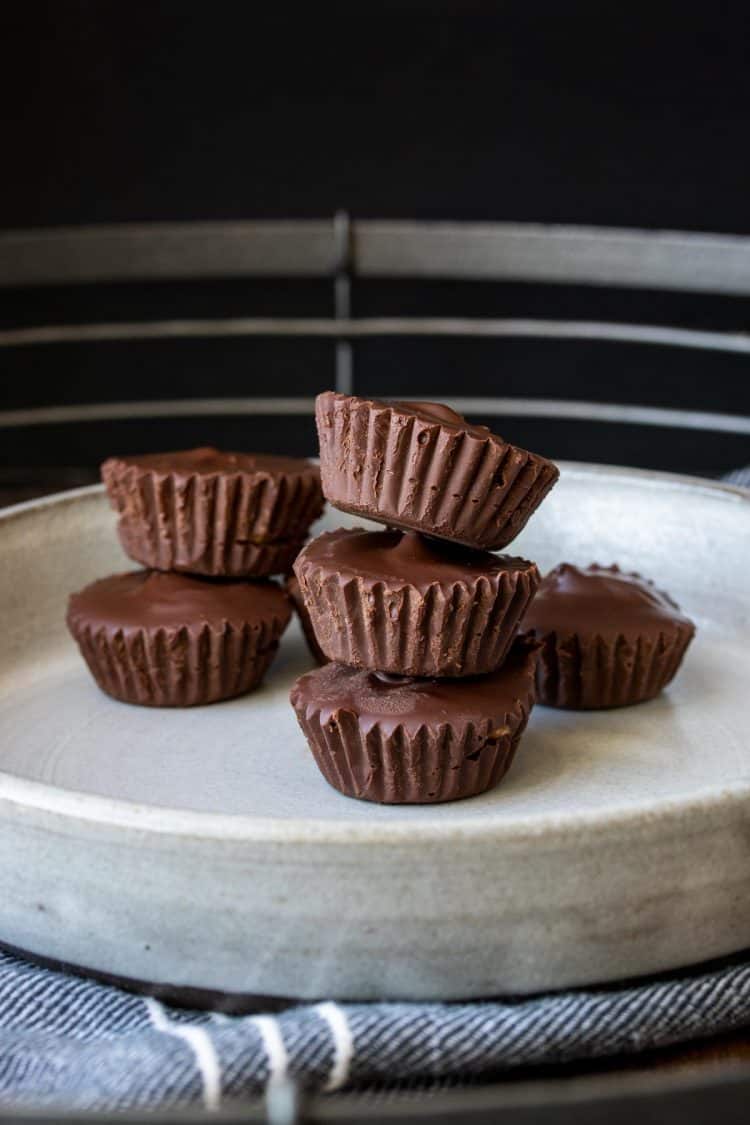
x: 600, y: 600
x: 431, y: 413
x: 392, y: 701
x: 152, y: 599
x: 438, y: 412
x: 404, y: 557
x: 207, y: 460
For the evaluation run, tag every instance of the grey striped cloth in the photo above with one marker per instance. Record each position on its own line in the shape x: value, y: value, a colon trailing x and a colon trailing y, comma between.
x: 739, y: 476
x: 65, y: 1041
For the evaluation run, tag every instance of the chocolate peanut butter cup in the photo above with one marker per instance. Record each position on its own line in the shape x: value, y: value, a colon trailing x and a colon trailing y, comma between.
x: 203, y: 511
x: 170, y: 640
x: 400, y: 603
x: 422, y: 467
x: 293, y: 590
x: 407, y: 741
x: 608, y: 638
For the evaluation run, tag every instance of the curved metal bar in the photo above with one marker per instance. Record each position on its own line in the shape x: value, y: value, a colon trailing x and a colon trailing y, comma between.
x: 363, y: 327
x: 641, y: 259
x: 677, y: 260
x: 167, y: 251
x: 556, y: 409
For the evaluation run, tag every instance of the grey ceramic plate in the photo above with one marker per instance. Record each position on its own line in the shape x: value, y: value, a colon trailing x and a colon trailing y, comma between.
x: 202, y: 849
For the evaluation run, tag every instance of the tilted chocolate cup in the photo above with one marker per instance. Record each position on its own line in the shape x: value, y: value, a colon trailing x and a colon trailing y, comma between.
x: 422, y: 467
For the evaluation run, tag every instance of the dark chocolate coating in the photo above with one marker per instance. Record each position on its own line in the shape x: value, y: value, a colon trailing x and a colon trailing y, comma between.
x: 150, y: 599
x: 444, y: 415
x: 203, y: 511
x: 400, y: 603
x: 208, y: 461
x: 292, y: 588
x: 415, y: 741
x: 609, y: 639
x: 422, y: 467
x: 171, y: 640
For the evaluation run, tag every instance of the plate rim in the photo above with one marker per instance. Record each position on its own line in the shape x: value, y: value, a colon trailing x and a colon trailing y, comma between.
x: 117, y: 813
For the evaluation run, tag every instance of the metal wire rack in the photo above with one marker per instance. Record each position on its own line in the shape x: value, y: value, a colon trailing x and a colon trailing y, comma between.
x: 344, y: 250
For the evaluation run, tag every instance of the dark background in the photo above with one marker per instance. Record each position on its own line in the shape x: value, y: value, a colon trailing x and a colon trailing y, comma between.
x: 610, y: 114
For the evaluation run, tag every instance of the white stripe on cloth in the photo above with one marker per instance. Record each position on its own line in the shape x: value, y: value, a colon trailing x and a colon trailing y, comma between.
x: 273, y: 1044
x: 739, y: 476
x: 343, y: 1044
x: 205, y: 1055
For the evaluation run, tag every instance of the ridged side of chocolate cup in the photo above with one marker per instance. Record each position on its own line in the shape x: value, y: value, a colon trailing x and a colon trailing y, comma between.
x: 590, y: 672
x: 243, y: 560
x: 184, y: 667
x: 380, y: 462
x: 432, y: 766
x: 465, y: 630
x: 234, y: 525
x: 292, y: 588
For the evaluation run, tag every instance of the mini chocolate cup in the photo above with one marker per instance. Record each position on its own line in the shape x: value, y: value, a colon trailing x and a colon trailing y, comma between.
x: 168, y: 640
x: 433, y: 759
x: 179, y: 668
x: 397, y: 770
x: 609, y: 638
x: 184, y: 512
x: 588, y: 672
x: 453, y: 627
x: 422, y: 467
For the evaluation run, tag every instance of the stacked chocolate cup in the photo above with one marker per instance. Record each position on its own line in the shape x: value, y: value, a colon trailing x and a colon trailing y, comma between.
x: 429, y: 687
x: 203, y: 622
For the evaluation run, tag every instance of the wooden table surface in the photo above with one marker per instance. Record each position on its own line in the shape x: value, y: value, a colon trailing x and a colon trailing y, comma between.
x: 17, y: 485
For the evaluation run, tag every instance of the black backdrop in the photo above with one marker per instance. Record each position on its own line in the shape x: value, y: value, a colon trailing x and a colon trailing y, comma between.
x: 551, y: 111
x: 600, y: 114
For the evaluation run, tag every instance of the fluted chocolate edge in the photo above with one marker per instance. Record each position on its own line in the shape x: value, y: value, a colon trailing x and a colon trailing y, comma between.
x: 224, y: 524
x: 592, y: 672
x: 463, y: 630
x: 182, y: 667
x: 430, y: 766
x: 292, y: 588
x: 245, y: 560
x: 379, y: 462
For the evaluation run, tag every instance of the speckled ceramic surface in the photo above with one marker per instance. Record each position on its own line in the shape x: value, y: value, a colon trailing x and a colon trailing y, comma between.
x: 203, y: 849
